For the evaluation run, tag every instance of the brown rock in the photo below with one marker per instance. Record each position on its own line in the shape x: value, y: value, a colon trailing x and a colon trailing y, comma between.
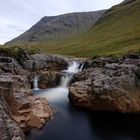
x: 23, y: 118
x: 25, y: 105
x: 34, y: 121
x: 49, y: 79
x: 22, y: 112
x: 17, y: 102
x: 113, y: 86
x: 9, y: 129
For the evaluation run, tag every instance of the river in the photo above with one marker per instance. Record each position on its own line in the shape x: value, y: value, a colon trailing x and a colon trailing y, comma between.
x: 71, y: 123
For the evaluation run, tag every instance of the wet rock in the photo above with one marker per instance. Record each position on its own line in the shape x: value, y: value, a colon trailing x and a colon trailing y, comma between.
x: 17, y: 95
x: 10, y: 65
x: 27, y: 110
x: 101, y: 62
x: 45, y: 62
x: 49, y: 79
x: 25, y: 105
x: 34, y: 121
x: 111, y: 87
x: 7, y: 70
x: 20, y: 119
x: 5, y: 59
x: 79, y: 93
x: 133, y: 56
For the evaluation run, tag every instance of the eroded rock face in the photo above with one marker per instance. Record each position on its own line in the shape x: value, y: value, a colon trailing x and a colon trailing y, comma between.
x: 49, y: 79
x: 44, y: 62
x: 25, y: 108
x: 110, y: 85
x: 34, y: 116
x: 46, y: 79
x: 9, y: 129
x: 9, y: 65
x: 21, y: 111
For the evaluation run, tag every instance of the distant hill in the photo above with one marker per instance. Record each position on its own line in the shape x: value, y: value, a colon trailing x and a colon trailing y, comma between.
x: 115, y: 32
x: 55, y: 28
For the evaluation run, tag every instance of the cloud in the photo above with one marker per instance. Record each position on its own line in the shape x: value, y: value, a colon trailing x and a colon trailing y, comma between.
x: 16, y: 16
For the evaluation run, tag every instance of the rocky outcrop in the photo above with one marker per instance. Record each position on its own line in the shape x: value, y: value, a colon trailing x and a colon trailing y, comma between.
x: 110, y: 85
x: 27, y: 110
x: 34, y: 116
x: 49, y: 79
x: 39, y: 62
x: 9, y: 129
x: 20, y: 110
x: 10, y: 65
x: 21, y: 59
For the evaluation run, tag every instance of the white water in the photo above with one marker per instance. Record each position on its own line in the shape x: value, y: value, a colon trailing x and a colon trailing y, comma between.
x: 67, y: 76
x: 60, y: 93
x: 36, y: 83
x: 72, y: 124
x: 81, y: 67
x: 65, y: 81
x: 73, y: 68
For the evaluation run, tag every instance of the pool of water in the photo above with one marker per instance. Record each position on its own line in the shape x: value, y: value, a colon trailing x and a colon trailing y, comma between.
x: 70, y: 123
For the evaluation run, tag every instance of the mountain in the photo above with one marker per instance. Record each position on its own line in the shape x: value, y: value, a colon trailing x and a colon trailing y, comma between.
x: 116, y: 32
x: 55, y: 28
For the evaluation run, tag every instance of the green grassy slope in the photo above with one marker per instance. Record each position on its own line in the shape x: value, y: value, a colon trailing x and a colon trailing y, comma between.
x: 116, y: 33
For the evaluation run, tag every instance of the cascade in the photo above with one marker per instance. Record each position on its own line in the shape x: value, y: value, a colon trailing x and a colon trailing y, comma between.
x: 73, y: 68
x: 36, y: 83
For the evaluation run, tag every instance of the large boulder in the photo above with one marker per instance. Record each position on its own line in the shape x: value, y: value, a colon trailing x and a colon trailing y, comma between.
x: 101, y: 61
x: 49, y: 79
x: 38, y: 62
x: 112, y: 87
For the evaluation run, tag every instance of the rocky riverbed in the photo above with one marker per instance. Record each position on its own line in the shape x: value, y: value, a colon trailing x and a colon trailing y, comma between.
x: 108, y: 84
x: 20, y: 109
x: 105, y: 84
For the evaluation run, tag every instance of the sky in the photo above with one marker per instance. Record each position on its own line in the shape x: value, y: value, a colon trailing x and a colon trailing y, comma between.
x: 17, y: 16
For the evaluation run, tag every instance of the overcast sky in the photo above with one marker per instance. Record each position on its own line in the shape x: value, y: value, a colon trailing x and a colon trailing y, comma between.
x: 16, y: 16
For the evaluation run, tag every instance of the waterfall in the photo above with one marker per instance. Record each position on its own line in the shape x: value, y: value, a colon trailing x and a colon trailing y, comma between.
x: 81, y: 67
x: 73, y: 67
x: 65, y: 80
x: 68, y: 74
x: 36, y: 83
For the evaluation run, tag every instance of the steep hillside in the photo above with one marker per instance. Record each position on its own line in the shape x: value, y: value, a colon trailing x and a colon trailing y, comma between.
x: 116, y: 33
x: 55, y: 28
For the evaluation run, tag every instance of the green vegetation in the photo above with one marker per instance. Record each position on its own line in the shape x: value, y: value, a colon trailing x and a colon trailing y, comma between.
x: 17, y: 51
x: 115, y: 34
